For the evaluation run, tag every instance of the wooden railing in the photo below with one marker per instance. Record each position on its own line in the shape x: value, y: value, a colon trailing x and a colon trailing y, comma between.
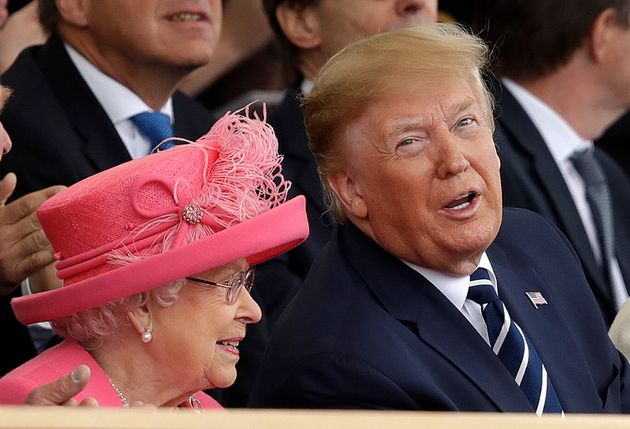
x: 80, y: 418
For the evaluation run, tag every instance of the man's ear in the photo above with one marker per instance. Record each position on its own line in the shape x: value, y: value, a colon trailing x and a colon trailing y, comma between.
x: 140, y: 318
x: 348, y: 192
x: 74, y: 12
x: 300, y: 25
x: 603, y: 34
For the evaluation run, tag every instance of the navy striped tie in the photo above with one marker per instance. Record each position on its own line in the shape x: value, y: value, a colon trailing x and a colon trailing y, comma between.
x: 511, y: 345
x: 156, y: 127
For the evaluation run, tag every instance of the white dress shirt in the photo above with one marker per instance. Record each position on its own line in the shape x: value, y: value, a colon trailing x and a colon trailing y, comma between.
x: 41, y: 333
x: 562, y: 141
x: 455, y: 289
x: 306, y: 86
x: 119, y: 102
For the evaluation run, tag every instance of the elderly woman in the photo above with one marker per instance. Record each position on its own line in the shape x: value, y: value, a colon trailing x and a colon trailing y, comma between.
x: 155, y: 256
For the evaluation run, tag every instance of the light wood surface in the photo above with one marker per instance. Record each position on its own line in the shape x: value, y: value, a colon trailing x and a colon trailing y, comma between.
x: 59, y: 417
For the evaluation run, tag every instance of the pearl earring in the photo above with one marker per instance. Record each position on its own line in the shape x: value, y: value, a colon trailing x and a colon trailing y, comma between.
x: 147, y: 335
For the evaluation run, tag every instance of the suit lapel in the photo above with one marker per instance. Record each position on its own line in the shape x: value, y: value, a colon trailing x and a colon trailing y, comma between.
x: 524, y: 135
x: 467, y: 351
x: 411, y: 299
x: 547, y: 331
x: 102, y: 144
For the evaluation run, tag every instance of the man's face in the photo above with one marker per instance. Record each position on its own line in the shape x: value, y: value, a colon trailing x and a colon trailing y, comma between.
x: 344, y: 21
x: 425, y: 173
x: 159, y: 33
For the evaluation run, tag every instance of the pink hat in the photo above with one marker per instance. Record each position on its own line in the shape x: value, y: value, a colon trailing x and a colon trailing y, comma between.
x: 166, y: 216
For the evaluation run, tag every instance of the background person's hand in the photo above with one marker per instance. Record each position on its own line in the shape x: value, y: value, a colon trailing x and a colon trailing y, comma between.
x: 24, y: 248
x: 63, y: 390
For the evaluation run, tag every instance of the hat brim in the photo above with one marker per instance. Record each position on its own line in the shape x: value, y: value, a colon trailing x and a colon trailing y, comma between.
x: 257, y: 239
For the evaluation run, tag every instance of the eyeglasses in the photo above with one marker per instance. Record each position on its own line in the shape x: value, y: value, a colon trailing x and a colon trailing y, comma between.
x: 240, y: 280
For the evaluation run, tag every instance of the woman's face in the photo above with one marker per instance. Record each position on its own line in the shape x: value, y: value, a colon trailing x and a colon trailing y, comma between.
x: 200, y: 333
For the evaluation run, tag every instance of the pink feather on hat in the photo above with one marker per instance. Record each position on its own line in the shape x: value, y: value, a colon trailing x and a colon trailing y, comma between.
x: 145, y: 223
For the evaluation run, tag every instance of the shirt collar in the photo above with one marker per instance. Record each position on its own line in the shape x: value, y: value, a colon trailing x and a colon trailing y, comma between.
x: 118, y: 101
x: 306, y: 86
x: 455, y: 289
x: 561, y: 138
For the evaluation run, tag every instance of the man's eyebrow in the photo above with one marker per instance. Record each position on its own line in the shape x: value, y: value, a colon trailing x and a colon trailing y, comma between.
x: 409, y: 124
x: 462, y: 106
x: 403, y: 126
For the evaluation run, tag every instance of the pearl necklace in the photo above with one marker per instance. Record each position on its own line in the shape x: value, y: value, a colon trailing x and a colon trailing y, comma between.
x: 193, y: 402
x: 123, y: 398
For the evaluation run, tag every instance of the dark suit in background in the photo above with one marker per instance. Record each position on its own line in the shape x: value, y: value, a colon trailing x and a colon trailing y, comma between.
x: 289, y: 271
x: 279, y: 279
x: 367, y: 331
x: 61, y: 135
x: 531, y: 179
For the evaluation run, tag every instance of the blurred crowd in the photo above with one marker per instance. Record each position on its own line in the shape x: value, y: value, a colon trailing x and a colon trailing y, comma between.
x: 330, y: 198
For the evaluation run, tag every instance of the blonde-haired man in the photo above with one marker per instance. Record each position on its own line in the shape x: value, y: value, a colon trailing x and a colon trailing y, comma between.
x: 429, y: 295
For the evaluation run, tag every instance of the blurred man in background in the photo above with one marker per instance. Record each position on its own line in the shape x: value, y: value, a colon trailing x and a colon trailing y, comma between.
x: 564, y: 79
x: 101, y: 91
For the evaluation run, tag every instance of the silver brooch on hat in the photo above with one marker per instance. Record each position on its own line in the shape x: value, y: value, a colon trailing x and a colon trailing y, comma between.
x: 192, y: 214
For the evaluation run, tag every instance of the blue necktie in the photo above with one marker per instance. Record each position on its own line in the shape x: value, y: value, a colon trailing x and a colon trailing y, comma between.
x: 514, y: 349
x: 156, y: 127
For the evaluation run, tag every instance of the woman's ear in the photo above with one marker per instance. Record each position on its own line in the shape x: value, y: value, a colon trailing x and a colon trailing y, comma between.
x: 140, y: 318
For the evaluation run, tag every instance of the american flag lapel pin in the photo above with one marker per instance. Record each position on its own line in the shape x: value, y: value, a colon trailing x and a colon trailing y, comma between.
x: 536, y: 298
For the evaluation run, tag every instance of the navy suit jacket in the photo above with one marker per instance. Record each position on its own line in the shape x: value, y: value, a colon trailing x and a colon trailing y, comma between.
x: 61, y: 134
x: 367, y: 331
x: 532, y: 180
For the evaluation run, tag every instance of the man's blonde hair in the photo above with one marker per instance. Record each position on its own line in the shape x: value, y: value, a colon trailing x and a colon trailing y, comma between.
x: 380, y: 67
